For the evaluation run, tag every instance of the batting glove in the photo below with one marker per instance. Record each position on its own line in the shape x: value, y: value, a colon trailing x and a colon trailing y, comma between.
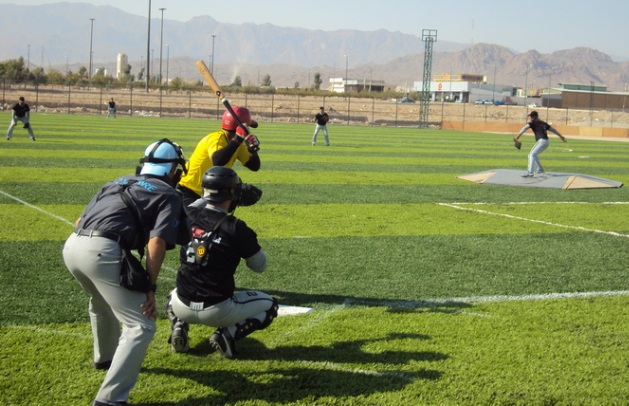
x: 252, y: 143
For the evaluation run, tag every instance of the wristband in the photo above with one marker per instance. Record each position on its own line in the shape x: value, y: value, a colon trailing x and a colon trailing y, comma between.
x: 153, y: 287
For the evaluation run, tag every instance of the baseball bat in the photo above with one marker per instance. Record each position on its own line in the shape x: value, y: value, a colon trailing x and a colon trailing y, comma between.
x: 207, y: 75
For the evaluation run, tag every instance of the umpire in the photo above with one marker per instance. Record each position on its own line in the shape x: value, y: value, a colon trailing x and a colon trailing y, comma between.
x: 92, y: 254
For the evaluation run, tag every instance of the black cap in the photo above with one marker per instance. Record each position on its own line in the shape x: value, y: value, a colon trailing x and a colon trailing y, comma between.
x: 533, y: 114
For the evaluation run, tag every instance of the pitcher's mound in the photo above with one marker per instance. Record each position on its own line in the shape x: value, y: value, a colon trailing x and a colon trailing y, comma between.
x: 551, y: 180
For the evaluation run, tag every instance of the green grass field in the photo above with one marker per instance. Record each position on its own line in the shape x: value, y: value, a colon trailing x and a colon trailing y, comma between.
x: 427, y: 289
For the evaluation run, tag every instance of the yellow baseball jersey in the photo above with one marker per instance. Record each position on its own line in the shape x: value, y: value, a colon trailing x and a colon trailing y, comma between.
x: 201, y: 159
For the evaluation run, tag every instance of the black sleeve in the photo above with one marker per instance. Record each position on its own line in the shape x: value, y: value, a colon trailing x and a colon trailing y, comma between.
x: 222, y: 156
x: 254, y: 162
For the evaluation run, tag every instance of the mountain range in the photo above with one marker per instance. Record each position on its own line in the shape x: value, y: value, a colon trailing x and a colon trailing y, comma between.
x: 61, y: 36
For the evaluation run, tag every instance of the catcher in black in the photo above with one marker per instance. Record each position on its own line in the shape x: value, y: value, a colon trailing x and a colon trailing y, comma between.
x: 205, y: 292
x: 21, y: 112
x: 540, y: 129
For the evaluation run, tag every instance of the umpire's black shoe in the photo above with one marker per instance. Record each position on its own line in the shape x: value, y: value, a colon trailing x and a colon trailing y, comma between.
x: 102, y: 365
x: 223, y: 342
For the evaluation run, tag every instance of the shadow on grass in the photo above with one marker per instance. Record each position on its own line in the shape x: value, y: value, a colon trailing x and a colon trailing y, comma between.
x: 341, y: 369
x: 392, y: 305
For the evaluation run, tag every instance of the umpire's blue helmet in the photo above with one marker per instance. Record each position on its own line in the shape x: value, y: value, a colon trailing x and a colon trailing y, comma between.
x: 159, y: 158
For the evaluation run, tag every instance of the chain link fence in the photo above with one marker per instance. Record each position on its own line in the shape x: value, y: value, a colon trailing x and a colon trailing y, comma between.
x: 343, y: 110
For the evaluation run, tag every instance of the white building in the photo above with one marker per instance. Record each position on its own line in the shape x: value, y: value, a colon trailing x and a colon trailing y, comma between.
x: 121, y: 64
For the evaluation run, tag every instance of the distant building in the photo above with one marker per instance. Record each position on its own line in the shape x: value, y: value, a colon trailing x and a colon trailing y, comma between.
x: 341, y: 85
x: 121, y: 64
x: 466, y: 88
x: 574, y: 95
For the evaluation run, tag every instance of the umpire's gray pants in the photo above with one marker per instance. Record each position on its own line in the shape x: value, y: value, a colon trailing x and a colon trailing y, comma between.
x: 95, y: 263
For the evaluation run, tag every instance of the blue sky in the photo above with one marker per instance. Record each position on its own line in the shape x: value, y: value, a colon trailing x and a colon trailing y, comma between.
x: 544, y: 25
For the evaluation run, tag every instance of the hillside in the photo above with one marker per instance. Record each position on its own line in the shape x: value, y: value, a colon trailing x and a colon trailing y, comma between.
x: 58, y: 36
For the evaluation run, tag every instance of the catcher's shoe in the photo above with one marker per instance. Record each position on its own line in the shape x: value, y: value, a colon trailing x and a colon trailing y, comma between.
x: 223, y: 342
x: 179, y: 338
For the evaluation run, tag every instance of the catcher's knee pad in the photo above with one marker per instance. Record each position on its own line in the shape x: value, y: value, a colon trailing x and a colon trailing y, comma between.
x: 258, y: 322
x: 270, y: 314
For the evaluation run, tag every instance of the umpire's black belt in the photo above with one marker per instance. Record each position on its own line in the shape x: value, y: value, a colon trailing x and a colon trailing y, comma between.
x: 97, y: 233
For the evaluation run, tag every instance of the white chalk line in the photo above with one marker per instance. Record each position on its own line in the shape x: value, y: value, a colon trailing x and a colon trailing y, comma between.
x: 36, y: 208
x: 548, y: 223
x: 529, y: 203
x: 48, y: 331
x: 32, y: 206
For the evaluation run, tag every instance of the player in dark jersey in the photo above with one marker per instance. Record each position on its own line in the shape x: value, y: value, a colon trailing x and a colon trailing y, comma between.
x: 205, y: 292
x: 22, y: 113
x: 321, y: 120
x: 540, y: 129
x: 93, y: 255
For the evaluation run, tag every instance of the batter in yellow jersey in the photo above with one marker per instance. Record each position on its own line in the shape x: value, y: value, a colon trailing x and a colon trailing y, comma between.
x: 221, y: 148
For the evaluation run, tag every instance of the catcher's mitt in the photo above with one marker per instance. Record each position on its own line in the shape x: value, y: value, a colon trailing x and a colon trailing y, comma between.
x: 517, y: 143
x: 249, y: 195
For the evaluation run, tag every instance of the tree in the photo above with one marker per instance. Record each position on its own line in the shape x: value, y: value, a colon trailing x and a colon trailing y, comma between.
x: 317, y: 81
x: 55, y: 77
x: 14, y: 70
x: 296, y: 85
x: 266, y: 80
x: 177, y: 83
x: 237, y: 81
x: 38, y: 76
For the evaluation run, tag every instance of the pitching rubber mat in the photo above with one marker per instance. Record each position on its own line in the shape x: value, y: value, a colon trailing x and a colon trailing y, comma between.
x: 550, y: 180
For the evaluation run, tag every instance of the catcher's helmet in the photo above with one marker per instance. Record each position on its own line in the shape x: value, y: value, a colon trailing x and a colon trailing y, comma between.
x: 159, y: 158
x: 242, y: 113
x: 220, y: 184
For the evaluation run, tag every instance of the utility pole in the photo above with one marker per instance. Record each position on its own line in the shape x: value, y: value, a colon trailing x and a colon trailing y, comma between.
x: 161, y: 38
x: 89, y: 72
x: 148, y: 50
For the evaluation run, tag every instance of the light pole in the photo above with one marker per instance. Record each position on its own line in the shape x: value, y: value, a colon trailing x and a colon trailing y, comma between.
x: 346, y: 66
x: 167, y: 58
x: 89, y: 72
x: 526, y: 89
x: 161, y: 38
x: 493, y: 93
x: 548, y: 92
x: 28, y: 57
x: 148, y: 50
x: 212, y: 68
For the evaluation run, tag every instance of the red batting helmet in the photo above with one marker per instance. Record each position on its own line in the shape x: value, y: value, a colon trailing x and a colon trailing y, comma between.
x: 242, y: 113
